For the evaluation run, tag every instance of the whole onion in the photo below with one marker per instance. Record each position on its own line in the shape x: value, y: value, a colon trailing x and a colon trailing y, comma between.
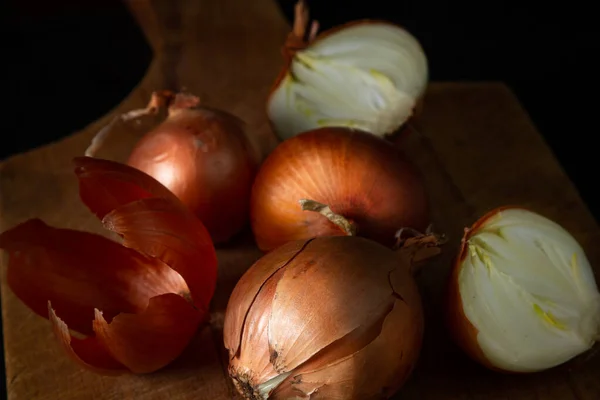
x: 202, y: 155
x: 331, y: 318
x: 522, y: 295
x: 336, y: 181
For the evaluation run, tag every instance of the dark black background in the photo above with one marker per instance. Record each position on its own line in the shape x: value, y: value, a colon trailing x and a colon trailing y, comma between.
x: 69, y: 62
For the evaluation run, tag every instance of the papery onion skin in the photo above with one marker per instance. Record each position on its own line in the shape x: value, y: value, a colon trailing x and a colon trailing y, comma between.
x: 359, y: 176
x: 205, y: 158
x: 465, y: 330
x: 139, y: 303
x: 329, y: 317
x: 397, y: 83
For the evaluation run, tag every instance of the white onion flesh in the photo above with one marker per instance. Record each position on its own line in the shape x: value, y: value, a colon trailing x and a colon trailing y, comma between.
x: 528, y: 288
x: 366, y: 76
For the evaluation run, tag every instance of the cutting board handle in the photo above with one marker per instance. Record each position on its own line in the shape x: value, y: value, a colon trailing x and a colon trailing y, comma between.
x: 159, y: 24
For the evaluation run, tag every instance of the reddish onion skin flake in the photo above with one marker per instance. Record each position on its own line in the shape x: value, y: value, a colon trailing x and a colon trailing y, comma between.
x: 139, y: 303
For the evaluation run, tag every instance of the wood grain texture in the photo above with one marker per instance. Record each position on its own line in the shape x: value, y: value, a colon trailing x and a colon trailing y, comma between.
x: 476, y: 147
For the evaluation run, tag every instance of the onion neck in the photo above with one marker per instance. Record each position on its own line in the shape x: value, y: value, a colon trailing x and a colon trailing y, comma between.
x: 158, y: 100
x: 182, y: 101
x: 296, y: 39
x: 346, y: 226
x: 418, y: 247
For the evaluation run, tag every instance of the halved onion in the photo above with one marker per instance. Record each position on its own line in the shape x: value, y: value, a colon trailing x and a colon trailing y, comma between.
x: 522, y: 293
x: 368, y: 75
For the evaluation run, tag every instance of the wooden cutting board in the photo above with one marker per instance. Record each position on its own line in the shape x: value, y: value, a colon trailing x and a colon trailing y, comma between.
x: 476, y: 147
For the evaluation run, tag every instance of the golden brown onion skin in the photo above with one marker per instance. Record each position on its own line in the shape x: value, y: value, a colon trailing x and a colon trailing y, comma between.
x: 340, y: 315
x: 203, y: 156
x: 359, y: 176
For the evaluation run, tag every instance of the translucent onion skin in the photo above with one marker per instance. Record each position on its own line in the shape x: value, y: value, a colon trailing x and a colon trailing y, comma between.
x: 359, y: 176
x: 203, y: 156
x: 327, y: 318
x: 522, y: 296
x: 138, y: 303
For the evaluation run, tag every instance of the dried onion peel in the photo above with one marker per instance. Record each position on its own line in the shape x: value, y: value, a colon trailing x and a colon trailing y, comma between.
x: 137, y: 305
x: 368, y: 75
x: 335, y: 317
x: 522, y: 295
